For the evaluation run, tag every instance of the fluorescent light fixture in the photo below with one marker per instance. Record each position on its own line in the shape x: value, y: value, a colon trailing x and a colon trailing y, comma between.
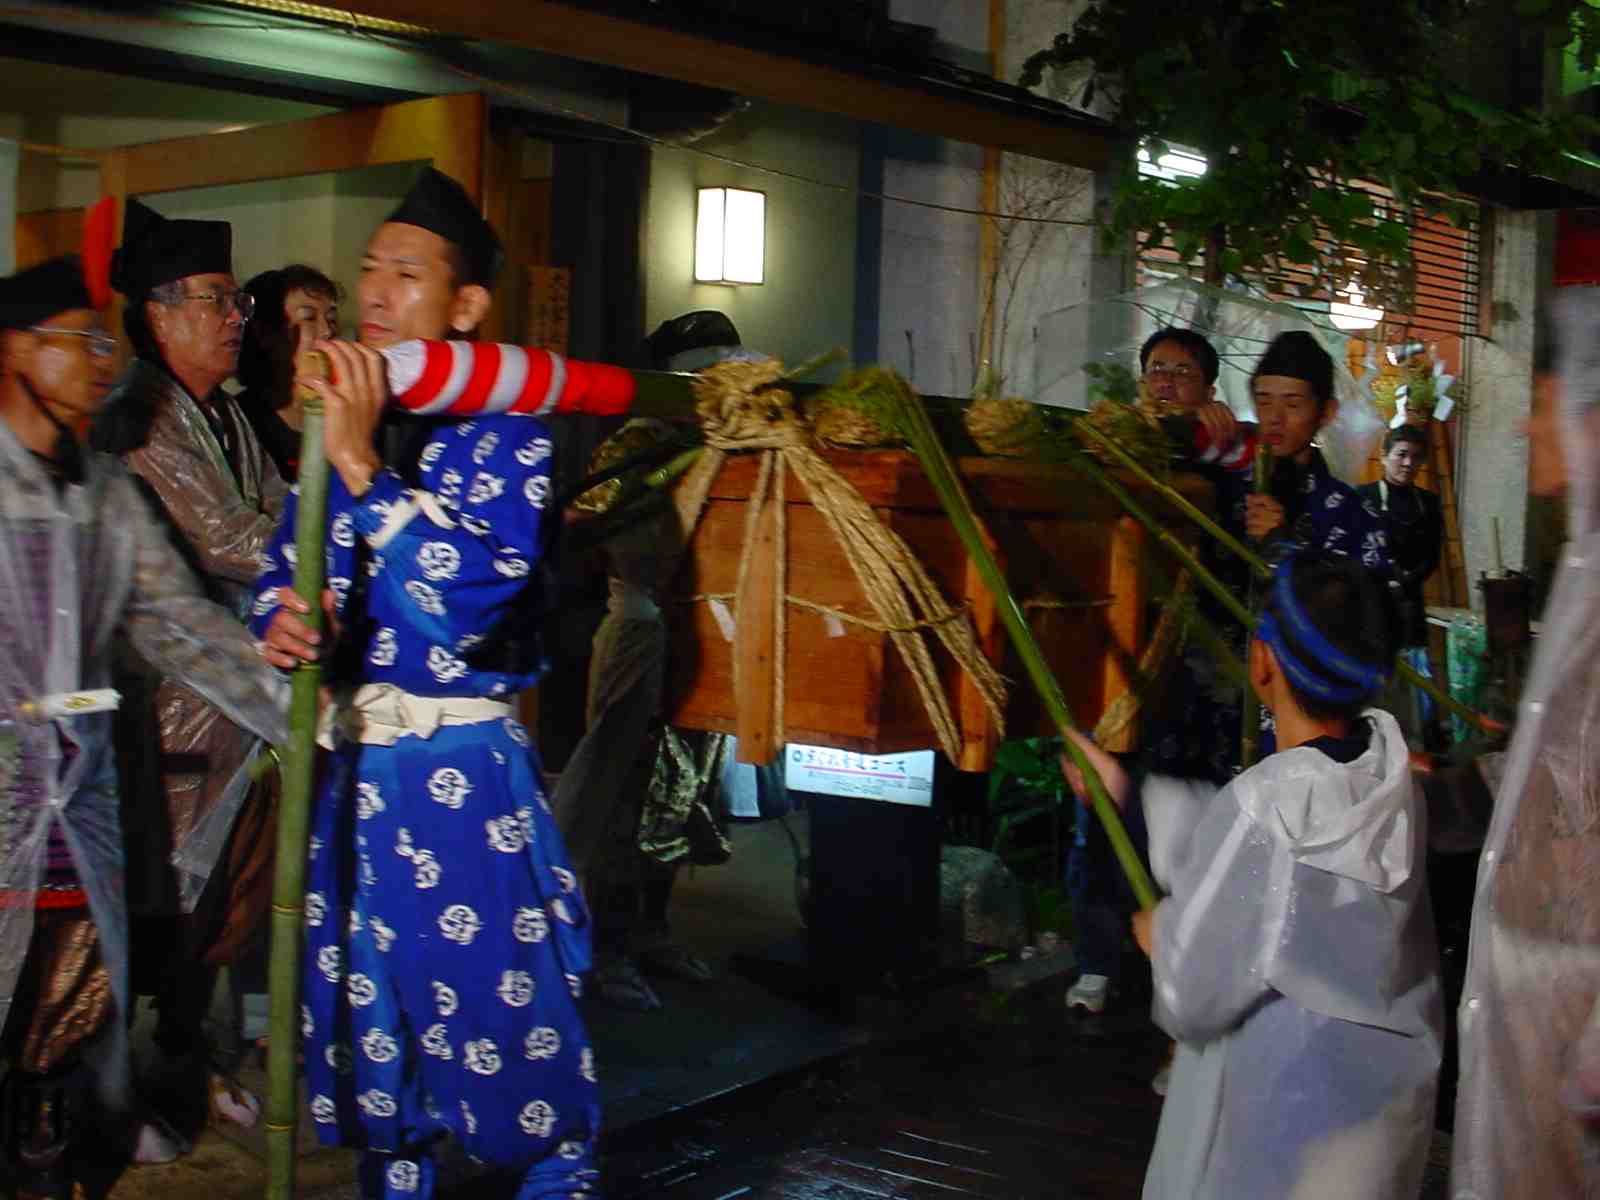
x: 1351, y: 314
x: 730, y: 236
x: 1177, y: 163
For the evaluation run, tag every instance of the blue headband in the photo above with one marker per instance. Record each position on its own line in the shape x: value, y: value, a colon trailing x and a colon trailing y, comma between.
x: 1333, y: 675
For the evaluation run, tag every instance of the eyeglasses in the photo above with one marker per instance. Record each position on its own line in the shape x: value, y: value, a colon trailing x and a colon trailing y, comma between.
x: 1182, y: 372
x: 101, y: 345
x: 225, y: 302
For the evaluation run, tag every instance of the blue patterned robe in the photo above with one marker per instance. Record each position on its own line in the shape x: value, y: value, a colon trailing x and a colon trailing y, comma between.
x: 1197, y: 735
x: 446, y: 935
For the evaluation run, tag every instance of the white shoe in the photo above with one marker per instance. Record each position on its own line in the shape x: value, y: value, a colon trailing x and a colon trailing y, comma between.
x: 1089, y: 993
x: 1158, y: 1085
x: 152, y: 1145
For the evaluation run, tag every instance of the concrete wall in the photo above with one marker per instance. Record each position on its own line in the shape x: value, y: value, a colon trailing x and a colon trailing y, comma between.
x: 927, y: 274
x: 1494, y: 455
x: 807, y: 304
x: 1045, y: 267
x: 919, y: 270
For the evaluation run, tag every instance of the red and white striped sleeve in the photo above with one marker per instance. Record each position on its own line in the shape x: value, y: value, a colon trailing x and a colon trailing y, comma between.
x: 452, y: 378
x: 1238, y: 454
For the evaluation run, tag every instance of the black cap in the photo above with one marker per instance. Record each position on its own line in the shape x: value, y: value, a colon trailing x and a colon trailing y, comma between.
x: 440, y: 205
x: 33, y: 296
x: 1295, y: 354
x: 691, y: 331
x: 155, y: 250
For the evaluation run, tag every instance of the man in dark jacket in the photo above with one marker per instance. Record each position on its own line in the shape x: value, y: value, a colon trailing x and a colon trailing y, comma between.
x: 1405, y: 519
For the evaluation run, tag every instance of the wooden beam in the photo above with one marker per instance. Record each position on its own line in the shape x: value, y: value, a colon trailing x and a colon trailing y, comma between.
x: 574, y: 32
x: 444, y: 130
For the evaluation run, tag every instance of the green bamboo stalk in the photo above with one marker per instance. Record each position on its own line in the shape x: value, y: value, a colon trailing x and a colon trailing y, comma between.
x: 1196, y: 622
x: 1170, y: 494
x: 672, y: 468
x: 1250, y: 713
x: 919, y: 432
x: 1085, y: 465
x: 814, y: 364
x: 294, y: 818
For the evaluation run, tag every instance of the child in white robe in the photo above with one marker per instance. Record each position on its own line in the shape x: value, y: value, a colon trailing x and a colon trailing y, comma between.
x: 1294, y: 954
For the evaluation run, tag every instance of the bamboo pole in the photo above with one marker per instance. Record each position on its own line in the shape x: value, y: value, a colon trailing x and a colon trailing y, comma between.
x: 1174, y: 497
x: 1224, y: 596
x: 294, y: 818
x: 919, y: 432
x: 1250, y: 713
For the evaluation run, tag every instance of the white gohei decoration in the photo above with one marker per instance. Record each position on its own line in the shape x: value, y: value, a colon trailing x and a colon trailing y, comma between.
x: 1352, y: 313
x: 730, y: 239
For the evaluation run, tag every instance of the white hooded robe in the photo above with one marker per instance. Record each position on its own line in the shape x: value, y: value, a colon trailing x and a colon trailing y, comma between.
x: 1296, y: 965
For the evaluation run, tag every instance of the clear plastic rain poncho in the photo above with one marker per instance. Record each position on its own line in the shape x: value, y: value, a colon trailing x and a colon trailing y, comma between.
x: 223, y: 517
x: 1529, y: 1019
x: 1109, y: 332
x: 73, y: 567
x: 1296, y: 966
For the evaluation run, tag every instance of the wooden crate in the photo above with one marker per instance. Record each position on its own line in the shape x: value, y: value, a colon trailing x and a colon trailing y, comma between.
x: 1073, y: 558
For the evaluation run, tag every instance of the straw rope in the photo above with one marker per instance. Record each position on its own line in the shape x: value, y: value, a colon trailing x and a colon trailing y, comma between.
x: 841, y: 614
x: 742, y: 408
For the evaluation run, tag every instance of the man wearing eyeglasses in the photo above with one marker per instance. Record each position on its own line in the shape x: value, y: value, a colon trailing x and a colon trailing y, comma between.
x: 1178, y: 374
x: 81, y: 558
x: 187, y: 442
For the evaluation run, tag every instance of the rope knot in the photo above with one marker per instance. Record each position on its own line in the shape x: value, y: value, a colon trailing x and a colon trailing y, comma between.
x: 740, y: 407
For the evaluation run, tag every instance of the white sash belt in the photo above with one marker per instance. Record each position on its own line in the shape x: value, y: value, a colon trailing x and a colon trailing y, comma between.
x: 69, y: 704
x: 380, y: 714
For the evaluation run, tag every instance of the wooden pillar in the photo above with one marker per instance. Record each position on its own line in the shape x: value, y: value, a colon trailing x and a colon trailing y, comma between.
x: 979, y: 735
x: 1124, y: 619
x: 755, y: 639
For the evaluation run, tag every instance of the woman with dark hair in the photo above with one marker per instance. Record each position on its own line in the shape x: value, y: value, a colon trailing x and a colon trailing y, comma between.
x: 295, y: 305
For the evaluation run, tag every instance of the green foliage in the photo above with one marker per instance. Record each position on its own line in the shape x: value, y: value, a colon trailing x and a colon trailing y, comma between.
x: 1027, y: 802
x: 1111, y: 381
x: 1284, y: 99
x: 1049, y: 910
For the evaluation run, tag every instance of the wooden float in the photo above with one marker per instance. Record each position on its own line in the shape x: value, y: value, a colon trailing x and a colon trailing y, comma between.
x: 1076, y: 563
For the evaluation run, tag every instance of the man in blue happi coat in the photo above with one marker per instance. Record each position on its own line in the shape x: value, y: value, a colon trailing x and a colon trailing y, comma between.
x: 446, y: 935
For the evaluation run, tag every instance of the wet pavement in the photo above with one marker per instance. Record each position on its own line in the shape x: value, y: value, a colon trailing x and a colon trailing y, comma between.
x: 972, y: 1094
x: 961, y: 1087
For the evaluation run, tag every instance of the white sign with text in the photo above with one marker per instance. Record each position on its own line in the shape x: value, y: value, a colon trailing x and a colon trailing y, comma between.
x: 893, y: 778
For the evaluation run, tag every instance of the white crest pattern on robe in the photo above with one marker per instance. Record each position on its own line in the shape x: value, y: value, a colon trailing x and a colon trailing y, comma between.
x: 456, y: 860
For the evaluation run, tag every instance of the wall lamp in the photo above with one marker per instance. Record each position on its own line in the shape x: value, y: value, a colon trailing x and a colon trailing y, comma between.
x: 730, y: 236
